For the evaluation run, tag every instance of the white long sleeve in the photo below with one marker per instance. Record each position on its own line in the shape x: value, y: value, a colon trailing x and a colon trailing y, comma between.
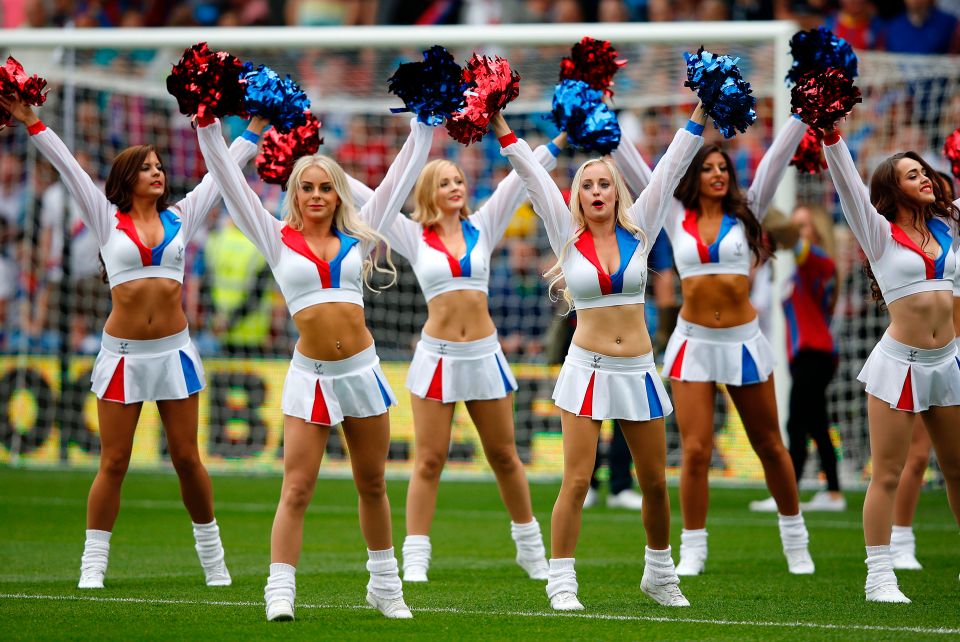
x: 773, y: 166
x: 632, y: 165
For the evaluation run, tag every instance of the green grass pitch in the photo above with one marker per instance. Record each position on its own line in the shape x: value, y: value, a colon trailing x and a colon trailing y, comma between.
x: 155, y: 588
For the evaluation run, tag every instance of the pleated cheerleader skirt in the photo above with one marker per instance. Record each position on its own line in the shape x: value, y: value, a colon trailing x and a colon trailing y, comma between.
x: 736, y: 356
x: 912, y: 379
x: 451, y: 371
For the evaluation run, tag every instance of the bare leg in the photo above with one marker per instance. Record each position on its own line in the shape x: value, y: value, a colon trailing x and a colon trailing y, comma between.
x: 942, y: 423
x: 368, y: 439
x: 911, y: 480
x: 431, y: 427
x: 580, y: 436
x: 693, y: 403
x: 118, y: 422
x: 180, y: 418
x: 648, y: 445
x: 890, y: 434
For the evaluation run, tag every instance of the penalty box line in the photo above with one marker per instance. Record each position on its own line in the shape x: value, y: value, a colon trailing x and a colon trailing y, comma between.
x: 522, y: 614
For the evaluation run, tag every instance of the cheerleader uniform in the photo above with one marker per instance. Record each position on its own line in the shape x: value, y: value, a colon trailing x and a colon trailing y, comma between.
x: 738, y: 355
x: 321, y: 392
x: 907, y: 378
x: 126, y: 370
x: 451, y: 371
x: 591, y: 384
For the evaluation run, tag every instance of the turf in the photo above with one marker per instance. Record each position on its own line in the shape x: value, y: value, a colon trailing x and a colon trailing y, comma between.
x: 155, y: 589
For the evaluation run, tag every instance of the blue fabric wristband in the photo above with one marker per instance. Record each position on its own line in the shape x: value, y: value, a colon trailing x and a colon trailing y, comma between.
x: 249, y: 135
x: 694, y: 128
x: 553, y: 149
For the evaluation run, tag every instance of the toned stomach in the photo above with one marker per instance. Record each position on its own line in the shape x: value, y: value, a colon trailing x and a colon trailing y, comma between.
x: 924, y: 320
x: 332, y: 331
x: 616, y: 331
x: 717, y: 300
x: 146, y: 309
x: 462, y: 315
x: 956, y: 315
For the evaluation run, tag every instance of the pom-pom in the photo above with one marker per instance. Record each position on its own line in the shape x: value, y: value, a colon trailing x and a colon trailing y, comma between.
x: 432, y: 89
x: 809, y: 156
x: 279, y: 100
x: 281, y: 150
x: 818, y: 50
x: 207, y: 82
x: 494, y: 85
x: 14, y: 82
x: 951, y: 150
x: 579, y: 110
x: 593, y: 61
x: 722, y: 90
x: 821, y: 98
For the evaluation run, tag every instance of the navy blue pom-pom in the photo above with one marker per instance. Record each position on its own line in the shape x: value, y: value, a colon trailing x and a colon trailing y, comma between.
x: 431, y: 89
x: 280, y: 100
x: 819, y: 49
x: 722, y: 90
x: 579, y: 110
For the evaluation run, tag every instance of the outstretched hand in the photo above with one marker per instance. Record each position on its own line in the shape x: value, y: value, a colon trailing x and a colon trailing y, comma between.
x: 499, y: 125
x: 19, y: 110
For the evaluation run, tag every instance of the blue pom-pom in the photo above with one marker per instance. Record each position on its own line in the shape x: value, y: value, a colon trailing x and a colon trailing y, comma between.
x: 432, y: 89
x: 820, y: 49
x: 722, y: 90
x: 579, y: 110
x: 280, y: 100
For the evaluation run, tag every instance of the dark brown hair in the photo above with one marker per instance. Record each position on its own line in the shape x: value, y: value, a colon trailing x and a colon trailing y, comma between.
x: 886, y: 196
x: 734, y: 203
x: 123, y: 176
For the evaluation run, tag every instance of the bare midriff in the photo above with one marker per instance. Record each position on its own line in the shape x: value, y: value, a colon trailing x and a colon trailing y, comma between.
x: 461, y: 315
x: 145, y: 309
x: 923, y: 320
x: 616, y: 331
x: 332, y: 331
x: 717, y: 300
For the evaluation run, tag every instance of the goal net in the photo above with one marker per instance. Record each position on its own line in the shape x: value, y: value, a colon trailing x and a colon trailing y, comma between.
x: 108, y: 92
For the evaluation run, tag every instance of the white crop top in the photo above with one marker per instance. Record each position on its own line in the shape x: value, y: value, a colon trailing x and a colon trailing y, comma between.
x: 125, y: 256
x: 587, y: 281
x: 436, y: 269
x: 730, y: 252
x: 899, y: 265
x: 304, y: 278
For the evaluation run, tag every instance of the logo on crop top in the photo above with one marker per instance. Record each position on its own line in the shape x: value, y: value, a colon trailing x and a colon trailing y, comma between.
x: 179, y: 258
x: 124, y: 347
x: 318, y: 368
x: 596, y: 360
x: 738, y: 249
x: 912, y: 357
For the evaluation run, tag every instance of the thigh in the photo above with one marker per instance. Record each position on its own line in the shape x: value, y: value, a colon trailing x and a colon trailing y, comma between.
x: 757, y: 406
x: 580, y: 435
x: 693, y: 403
x: 943, y: 426
x: 118, y: 423
x: 432, y: 421
x: 494, y: 421
x: 648, y: 444
x: 368, y: 439
x: 890, y: 433
x: 303, y: 447
x: 180, y: 418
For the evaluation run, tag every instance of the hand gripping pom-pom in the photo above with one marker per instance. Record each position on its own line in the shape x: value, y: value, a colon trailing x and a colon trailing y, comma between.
x: 821, y: 98
x: 207, y: 83
x: 579, y: 110
x: 722, y: 90
x: 593, y: 61
x: 818, y: 50
x: 432, y: 89
x: 14, y: 82
x: 808, y: 158
x: 494, y: 86
x: 280, y: 151
x: 279, y: 100
x: 951, y: 150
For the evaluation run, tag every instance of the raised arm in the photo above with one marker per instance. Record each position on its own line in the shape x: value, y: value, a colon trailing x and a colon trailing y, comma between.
x: 774, y: 165
x: 656, y: 201
x: 196, y: 205
x: 95, y: 210
x: 402, y: 234
x: 869, y: 227
x: 495, y: 215
x: 244, y: 205
x: 384, y: 205
x: 631, y: 164
x: 547, y: 200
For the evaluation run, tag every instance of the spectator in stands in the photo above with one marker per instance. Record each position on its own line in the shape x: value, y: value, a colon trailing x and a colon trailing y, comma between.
x: 519, y: 302
x: 922, y: 28
x: 330, y: 13
x: 855, y: 22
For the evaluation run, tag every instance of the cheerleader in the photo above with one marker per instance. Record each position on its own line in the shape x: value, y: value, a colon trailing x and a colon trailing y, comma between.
x: 146, y: 354
x: 908, y: 231
x: 601, y: 241
x: 459, y: 357
x: 321, y: 254
x: 716, y: 235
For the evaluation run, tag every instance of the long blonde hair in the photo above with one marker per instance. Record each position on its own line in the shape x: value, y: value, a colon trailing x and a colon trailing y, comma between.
x: 426, y: 212
x: 345, y: 217
x: 624, y: 201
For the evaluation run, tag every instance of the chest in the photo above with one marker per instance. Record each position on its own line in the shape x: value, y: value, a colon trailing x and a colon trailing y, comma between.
x: 442, y: 256
x: 715, y: 240
x: 612, y: 265
x: 159, y: 242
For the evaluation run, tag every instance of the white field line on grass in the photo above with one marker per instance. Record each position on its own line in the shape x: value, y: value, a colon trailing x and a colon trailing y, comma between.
x: 270, y: 509
x: 522, y: 614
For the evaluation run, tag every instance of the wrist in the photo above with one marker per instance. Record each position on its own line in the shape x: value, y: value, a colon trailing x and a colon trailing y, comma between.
x: 831, y: 136
x: 507, y: 139
x: 35, y: 127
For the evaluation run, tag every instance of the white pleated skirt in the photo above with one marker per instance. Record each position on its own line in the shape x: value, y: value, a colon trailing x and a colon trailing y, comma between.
x: 131, y: 371
x: 736, y: 356
x: 912, y: 379
x: 324, y: 392
x: 604, y: 387
x: 451, y: 371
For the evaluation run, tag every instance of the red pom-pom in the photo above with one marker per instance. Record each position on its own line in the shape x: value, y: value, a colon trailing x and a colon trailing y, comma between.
x: 594, y: 62
x: 15, y: 83
x: 207, y: 80
x: 280, y: 151
x: 951, y: 150
x: 493, y: 86
x: 809, y: 157
x: 821, y: 98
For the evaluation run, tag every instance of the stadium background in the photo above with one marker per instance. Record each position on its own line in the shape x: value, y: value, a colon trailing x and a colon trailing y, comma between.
x: 107, y: 98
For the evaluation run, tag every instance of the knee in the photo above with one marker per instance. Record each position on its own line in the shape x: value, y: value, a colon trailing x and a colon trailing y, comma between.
x: 768, y: 446
x: 114, y: 464
x: 371, y: 487
x: 430, y: 465
x: 185, y: 460
x: 696, y: 456
x: 916, y: 465
x: 575, y: 487
x: 886, y: 477
x: 296, y: 495
x: 653, y: 483
x: 503, y: 460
